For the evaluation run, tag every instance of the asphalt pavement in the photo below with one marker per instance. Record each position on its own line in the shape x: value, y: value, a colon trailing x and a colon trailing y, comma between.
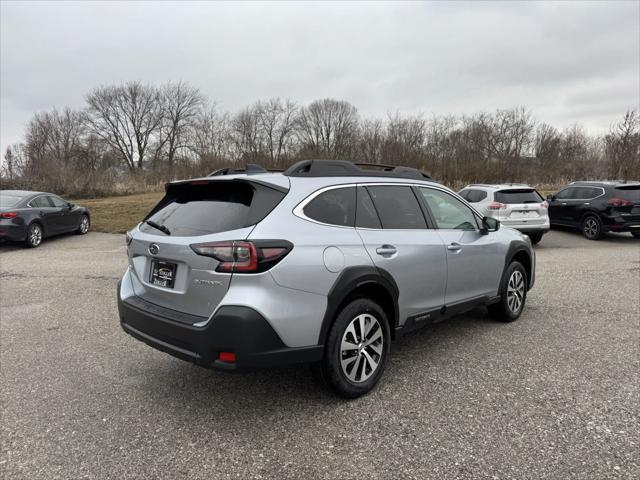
x: 554, y: 395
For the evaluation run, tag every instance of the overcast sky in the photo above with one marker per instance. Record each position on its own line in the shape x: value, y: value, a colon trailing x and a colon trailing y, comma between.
x: 569, y: 62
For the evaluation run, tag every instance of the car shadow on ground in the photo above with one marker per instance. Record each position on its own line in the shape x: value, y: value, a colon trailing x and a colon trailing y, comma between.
x: 566, y: 237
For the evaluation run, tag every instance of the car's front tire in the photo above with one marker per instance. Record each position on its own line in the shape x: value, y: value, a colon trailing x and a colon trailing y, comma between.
x: 34, y: 235
x: 513, y: 294
x: 84, y: 225
x: 356, y: 350
x: 592, y: 227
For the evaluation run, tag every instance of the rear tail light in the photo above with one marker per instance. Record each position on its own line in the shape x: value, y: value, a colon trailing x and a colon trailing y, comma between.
x: 496, y: 206
x: 240, y: 256
x: 8, y: 215
x: 544, y: 204
x: 619, y: 202
x: 229, y: 357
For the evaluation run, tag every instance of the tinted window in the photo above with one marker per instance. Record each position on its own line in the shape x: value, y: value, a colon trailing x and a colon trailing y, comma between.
x: 366, y: 215
x: 397, y: 207
x: 521, y: 195
x: 449, y: 212
x: 567, y: 193
x: 200, y: 209
x: 9, y: 200
x: 474, y: 196
x: 40, y: 202
x: 57, y: 201
x: 590, y: 192
x: 464, y: 194
x: 628, y: 193
x: 335, y: 207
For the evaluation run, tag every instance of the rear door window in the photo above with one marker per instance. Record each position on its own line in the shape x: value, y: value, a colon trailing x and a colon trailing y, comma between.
x: 203, y: 208
x: 397, y: 207
x: 366, y: 215
x: 334, y: 207
x: 40, y: 202
x: 521, y: 195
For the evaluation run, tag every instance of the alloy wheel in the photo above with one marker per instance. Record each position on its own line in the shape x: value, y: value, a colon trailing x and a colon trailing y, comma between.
x: 84, y: 225
x: 361, y: 348
x: 35, y: 235
x: 591, y: 227
x: 515, y: 291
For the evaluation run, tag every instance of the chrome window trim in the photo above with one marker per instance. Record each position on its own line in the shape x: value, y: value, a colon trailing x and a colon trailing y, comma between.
x: 582, y: 199
x: 298, y: 210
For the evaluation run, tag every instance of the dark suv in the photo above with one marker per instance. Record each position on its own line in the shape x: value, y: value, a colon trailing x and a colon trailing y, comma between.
x: 597, y: 207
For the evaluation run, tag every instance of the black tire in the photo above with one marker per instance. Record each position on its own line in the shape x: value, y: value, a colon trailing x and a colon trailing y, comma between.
x: 591, y: 227
x: 535, y: 238
x: 82, y: 227
x: 636, y: 234
x: 330, y: 370
x: 503, y: 311
x: 34, y: 235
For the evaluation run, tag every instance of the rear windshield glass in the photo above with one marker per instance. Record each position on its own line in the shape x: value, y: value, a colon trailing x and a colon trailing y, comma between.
x: 628, y: 193
x: 189, y: 210
x: 9, y: 200
x: 520, y: 195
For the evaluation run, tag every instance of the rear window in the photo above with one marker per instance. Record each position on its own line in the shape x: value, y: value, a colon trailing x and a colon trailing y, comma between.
x: 521, y: 195
x: 628, y: 193
x: 190, y: 210
x: 335, y: 207
x: 9, y: 200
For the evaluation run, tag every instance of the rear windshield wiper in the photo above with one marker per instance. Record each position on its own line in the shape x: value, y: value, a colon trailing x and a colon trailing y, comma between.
x: 157, y: 226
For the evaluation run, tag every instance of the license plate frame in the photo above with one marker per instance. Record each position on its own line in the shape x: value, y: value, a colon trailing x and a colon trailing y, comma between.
x: 163, y: 273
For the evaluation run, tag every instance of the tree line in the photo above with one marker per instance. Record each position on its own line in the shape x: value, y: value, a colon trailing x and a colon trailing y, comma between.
x: 135, y: 136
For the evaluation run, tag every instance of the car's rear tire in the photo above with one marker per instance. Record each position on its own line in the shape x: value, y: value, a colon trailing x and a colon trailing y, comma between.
x: 592, y: 227
x: 535, y: 237
x: 513, y: 294
x: 85, y: 223
x: 34, y: 235
x: 353, y: 363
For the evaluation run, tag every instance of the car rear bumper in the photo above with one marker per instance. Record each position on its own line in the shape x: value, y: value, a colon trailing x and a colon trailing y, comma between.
x: 237, y: 329
x: 621, y: 224
x: 532, y: 226
x: 13, y: 233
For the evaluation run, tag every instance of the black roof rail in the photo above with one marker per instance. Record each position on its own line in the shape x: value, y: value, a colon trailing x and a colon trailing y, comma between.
x: 249, y: 169
x: 345, y: 168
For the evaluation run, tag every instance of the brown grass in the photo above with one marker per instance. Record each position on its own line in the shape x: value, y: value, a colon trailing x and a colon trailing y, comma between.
x: 119, y: 214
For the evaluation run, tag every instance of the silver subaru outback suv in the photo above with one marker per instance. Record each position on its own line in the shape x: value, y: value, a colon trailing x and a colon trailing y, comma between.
x: 325, y: 263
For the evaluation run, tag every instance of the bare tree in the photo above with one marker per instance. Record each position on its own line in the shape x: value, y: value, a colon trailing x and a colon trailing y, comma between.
x: 328, y: 128
x: 126, y: 117
x: 276, y: 120
x: 210, y: 138
x: 623, y: 147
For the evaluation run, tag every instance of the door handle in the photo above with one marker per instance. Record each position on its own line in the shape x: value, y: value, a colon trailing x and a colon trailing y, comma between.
x: 386, y: 250
x: 563, y: 203
x: 454, y: 247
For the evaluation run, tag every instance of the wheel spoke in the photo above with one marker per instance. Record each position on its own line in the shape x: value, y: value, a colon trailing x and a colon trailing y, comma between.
x: 347, y: 346
x: 376, y: 335
x: 361, y: 348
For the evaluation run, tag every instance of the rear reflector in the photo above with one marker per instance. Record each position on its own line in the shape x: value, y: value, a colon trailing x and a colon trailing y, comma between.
x: 240, y: 256
x: 227, y: 357
x: 8, y: 215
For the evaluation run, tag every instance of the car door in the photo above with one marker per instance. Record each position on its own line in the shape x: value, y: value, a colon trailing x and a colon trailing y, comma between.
x: 66, y: 219
x: 474, y: 260
x: 561, y: 206
x: 394, y: 231
x: 46, y: 213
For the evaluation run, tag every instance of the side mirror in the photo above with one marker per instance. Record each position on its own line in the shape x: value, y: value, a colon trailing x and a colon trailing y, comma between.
x: 551, y: 197
x: 489, y: 224
x: 70, y: 206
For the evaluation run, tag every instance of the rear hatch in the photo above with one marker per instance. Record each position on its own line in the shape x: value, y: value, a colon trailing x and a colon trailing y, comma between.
x: 626, y: 202
x: 521, y: 205
x: 169, y: 272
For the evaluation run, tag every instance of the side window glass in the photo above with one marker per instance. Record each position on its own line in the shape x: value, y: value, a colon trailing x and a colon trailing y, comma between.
x: 593, y: 193
x: 366, y: 215
x: 465, y: 194
x: 397, y: 207
x: 449, y: 212
x: 335, y: 207
x: 57, y: 202
x: 566, y: 193
x: 40, y: 202
x: 475, y: 196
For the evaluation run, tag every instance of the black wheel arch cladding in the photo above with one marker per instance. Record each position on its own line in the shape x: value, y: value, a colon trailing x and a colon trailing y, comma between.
x: 358, y: 281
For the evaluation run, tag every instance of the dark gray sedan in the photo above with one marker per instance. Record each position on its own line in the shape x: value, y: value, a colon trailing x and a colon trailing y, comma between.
x: 31, y: 216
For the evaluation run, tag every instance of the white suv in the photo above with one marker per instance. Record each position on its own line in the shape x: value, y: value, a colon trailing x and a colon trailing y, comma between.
x: 515, y: 205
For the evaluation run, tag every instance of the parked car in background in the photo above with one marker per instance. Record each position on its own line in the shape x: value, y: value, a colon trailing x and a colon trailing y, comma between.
x: 517, y: 206
x: 324, y: 263
x: 31, y: 216
x: 597, y: 207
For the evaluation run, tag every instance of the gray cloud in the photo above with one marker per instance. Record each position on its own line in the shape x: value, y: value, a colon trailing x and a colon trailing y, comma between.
x: 568, y: 62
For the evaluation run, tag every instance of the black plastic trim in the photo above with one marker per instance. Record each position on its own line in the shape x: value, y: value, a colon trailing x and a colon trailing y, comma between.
x: 349, y: 280
x: 345, y: 168
x: 515, y: 247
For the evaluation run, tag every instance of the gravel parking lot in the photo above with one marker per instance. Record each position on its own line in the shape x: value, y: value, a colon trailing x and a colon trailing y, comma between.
x: 553, y: 395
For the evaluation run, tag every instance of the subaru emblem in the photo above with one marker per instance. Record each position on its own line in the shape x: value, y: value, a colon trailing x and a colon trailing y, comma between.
x: 154, y: 249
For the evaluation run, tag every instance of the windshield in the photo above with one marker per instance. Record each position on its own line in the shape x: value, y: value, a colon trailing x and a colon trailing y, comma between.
x: 7, y: 201
x: 521, y: 195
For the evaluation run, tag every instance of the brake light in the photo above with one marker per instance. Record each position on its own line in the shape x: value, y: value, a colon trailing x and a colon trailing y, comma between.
x: 544, y: 204
x: 227, y: 357
x: 496, y: 206
x: 9, y: 215
x: 240, y: 256
x: 619, y: 202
